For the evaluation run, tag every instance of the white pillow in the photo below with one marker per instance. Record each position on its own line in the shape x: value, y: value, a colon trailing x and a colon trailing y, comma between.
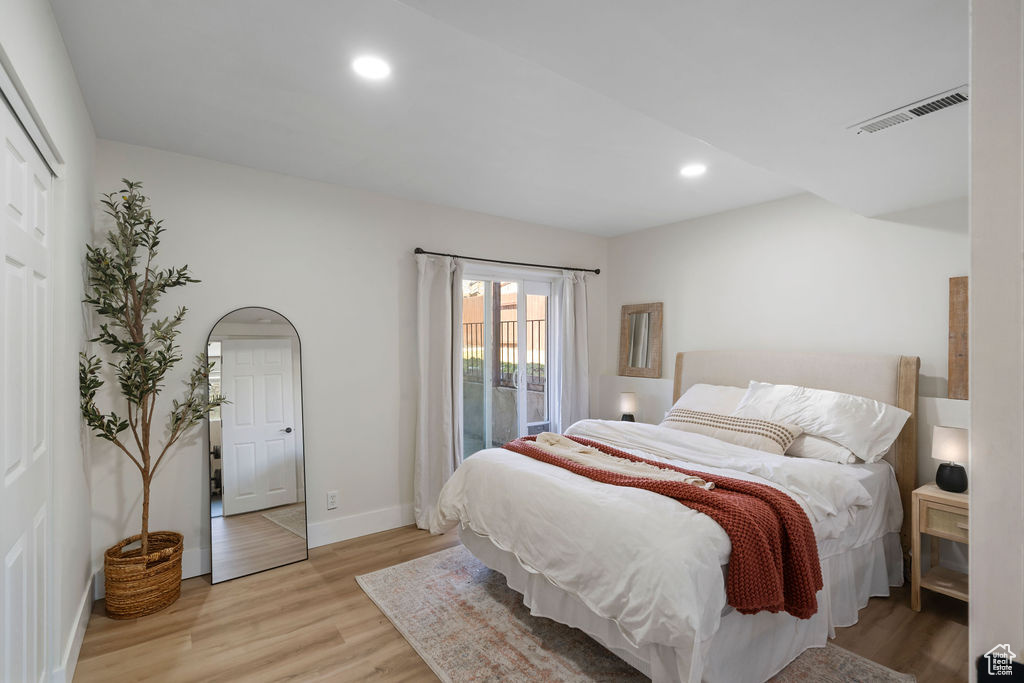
x: 820, y: 448
x: 711, y: 398
x: 865, y: 426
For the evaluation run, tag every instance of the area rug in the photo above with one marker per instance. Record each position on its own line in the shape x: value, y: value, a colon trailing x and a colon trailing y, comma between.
x: 291, y: 517
x: 468, y: 625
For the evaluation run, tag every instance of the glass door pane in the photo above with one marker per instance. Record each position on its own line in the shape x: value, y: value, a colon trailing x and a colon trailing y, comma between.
x: 536, y: 356
x: 505, y: 399
x: 475, y: 295
x: 490, y: 367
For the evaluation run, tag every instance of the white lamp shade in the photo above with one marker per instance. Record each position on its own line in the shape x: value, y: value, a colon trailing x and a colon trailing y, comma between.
x: 627, y: 402
x: 949, y: 444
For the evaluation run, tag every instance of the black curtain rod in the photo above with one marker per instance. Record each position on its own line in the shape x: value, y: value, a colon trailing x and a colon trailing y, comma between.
x: 421, y: 250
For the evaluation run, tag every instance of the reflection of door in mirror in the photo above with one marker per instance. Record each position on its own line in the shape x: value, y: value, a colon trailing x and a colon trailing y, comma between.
x: 258, y: 440
x: 257, y: 491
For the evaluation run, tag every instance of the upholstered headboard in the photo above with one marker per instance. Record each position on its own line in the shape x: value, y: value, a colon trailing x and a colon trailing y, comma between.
x: 888, y: 378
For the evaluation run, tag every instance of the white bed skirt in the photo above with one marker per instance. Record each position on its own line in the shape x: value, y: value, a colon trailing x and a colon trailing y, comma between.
x: 746, y: 648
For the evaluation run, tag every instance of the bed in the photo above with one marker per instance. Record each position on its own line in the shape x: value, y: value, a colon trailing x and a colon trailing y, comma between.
x: 644, y: 575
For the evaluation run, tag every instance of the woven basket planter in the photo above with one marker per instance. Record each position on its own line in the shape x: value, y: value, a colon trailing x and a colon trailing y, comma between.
x: 137, y: 585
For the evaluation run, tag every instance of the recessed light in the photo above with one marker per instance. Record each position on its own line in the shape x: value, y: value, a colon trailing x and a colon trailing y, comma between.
x: 371, y: 68
x: 693, y: 170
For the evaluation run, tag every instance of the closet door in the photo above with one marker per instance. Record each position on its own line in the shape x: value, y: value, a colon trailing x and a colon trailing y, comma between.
x: 25, y: 406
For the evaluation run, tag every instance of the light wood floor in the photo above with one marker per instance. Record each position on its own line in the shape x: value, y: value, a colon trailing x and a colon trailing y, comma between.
x: 310, y: 621
x: 250, y: 543
x: 931, y: 644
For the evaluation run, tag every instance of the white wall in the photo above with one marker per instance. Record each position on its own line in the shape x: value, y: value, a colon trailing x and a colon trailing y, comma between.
x: 797, y: 273
x: 31, y: 46
x: 338, y: 264
x: 794, y: 274
x: 997, y: 328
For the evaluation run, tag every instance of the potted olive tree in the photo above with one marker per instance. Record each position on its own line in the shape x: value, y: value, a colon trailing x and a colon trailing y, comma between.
x: 142, y: 572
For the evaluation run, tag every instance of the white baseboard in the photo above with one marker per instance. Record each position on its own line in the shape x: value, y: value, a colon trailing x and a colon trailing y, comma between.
x: 353, y: 526
x: 69, y: 659
x: 194, y: 562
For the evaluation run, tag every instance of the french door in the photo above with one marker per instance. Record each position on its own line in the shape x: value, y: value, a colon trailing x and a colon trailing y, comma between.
x: 504, y: 359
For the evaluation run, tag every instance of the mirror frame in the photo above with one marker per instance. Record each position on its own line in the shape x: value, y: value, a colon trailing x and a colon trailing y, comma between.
x: 654, y: 351
x: 302, y: 417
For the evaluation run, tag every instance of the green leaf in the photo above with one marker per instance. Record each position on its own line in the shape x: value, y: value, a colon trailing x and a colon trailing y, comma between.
x: 124, y: 286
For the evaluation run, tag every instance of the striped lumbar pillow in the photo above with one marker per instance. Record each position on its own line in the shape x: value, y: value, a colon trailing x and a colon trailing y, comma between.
x: 763, y: 435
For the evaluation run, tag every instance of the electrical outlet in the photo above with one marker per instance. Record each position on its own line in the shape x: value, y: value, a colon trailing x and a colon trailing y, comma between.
x: 332, y: 500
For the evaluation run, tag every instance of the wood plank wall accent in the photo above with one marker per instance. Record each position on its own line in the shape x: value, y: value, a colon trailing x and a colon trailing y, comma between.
x: 958, y: 338
x: 906, y: 444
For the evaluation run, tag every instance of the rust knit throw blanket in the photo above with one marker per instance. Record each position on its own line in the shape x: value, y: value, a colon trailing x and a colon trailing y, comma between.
x: 774, y: 562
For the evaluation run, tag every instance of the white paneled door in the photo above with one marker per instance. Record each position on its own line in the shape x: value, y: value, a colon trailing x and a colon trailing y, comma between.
x: 258, y: 424
x: 25, y: 412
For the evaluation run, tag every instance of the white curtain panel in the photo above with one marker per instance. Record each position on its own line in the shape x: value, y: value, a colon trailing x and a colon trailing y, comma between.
x: 439, y: 410
x: 571, y: 374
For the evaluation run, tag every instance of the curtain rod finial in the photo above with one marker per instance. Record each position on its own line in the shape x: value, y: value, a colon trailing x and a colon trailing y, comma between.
x: 597, y: 271
x: 418, y: 250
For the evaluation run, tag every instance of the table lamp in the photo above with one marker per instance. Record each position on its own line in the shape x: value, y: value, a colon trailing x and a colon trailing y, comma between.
x: 949, y: 445
x: 627, y: 404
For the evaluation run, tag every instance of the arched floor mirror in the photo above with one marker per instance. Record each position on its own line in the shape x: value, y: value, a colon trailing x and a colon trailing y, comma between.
x: 257, y: 473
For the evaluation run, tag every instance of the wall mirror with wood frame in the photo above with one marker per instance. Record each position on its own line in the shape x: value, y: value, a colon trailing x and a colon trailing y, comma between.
x: 257, y: 474
x: 640, y: 340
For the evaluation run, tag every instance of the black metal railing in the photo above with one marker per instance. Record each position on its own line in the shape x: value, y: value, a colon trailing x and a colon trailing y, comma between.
x: 473, y: 352
x: 507, y: 345
x: 507, y: 365
x: 537, y: 346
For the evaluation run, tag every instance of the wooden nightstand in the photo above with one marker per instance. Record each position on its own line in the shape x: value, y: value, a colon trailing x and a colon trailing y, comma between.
x: 939, y: 514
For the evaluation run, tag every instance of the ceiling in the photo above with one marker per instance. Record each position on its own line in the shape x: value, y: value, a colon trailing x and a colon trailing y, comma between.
x: 570, y: 113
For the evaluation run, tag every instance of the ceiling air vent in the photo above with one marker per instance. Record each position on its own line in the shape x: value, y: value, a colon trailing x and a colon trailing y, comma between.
x: 914, y: 110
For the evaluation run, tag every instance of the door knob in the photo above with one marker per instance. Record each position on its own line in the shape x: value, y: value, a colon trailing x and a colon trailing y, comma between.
x: 287, y: 430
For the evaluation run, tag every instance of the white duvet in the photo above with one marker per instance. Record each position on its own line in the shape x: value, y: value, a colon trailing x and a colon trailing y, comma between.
x: 643, y: 560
